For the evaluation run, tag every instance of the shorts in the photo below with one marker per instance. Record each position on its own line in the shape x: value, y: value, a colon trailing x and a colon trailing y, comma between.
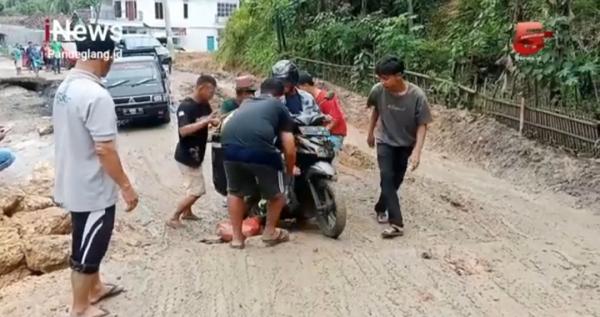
x: 91, y: 235
x: 193, y: 180
x: 246, y: 179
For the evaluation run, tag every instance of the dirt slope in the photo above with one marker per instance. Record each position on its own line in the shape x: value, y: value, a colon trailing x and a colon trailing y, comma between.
x: 476, y: 245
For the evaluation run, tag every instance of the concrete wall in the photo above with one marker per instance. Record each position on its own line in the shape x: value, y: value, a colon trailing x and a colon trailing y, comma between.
x: 19, y: 34
x: 196, y: 39
x: 201, y: 13
x: 201, y: 22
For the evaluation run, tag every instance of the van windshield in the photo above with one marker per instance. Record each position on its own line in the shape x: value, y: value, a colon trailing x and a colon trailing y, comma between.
x: 141, y: 42
x: 132, y: 70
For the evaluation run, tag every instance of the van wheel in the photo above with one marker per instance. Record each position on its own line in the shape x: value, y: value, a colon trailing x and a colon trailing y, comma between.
x: 166, y: 119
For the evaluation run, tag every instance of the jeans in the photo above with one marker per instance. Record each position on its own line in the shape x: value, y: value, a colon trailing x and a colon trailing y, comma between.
x: 392, y: 162
x: 6, y: 158
x: 56, y: 65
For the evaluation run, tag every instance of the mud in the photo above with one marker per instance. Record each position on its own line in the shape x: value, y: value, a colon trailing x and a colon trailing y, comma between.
x: 475, y: 245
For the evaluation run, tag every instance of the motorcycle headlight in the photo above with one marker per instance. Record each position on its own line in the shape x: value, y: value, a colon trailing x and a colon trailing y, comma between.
x: 158, y: 98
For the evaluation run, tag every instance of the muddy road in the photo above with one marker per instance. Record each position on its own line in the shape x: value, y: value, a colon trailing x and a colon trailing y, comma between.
x: 475, y: 245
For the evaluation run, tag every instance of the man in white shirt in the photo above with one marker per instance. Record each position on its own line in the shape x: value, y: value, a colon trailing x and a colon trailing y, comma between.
x: 89, y: 173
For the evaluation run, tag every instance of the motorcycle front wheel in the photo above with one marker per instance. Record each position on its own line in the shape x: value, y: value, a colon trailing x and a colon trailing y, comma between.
x: 331, y: 220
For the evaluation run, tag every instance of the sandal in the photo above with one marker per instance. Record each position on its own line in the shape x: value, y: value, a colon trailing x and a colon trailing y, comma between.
x: 103, y: 313
x: 382, y: 217
x: 238, y: 246
x: 175, y: 224
x: 392, y: 232
x: 281, y: 235
x: 191, y: 217
x: 112, y: 292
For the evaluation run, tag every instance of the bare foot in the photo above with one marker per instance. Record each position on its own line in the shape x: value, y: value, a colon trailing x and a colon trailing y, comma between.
x: 91, y: 311
x: 175, y: 223
x: 105, y: 291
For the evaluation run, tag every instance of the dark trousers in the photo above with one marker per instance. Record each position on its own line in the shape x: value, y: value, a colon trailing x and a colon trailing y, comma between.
x: 392, y: 162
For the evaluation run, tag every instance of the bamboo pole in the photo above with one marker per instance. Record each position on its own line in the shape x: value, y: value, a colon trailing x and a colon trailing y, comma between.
x: 522, y: 116
x: 484, y: 106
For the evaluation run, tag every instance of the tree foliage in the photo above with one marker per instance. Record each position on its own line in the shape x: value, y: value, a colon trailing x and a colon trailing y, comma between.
x: 458, y: 39
x: 29, y: 7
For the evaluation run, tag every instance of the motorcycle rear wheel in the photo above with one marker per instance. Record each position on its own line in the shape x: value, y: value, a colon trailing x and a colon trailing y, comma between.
x: 333, y: 221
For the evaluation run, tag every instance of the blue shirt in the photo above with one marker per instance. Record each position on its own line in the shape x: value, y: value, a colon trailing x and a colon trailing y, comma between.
x: 294, y: 103
x: 301, y: 102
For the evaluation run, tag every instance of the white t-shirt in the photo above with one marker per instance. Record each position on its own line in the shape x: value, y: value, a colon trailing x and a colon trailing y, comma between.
x: 83, y: 113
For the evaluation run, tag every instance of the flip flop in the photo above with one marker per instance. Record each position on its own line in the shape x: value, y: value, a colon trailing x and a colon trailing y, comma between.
x: 392, y: 232
x: 191, y: 217
x: 239, y: 246
x: 112, y: 292
x: 174, y: 225
x: 104, y: 313
x: 282, y: 235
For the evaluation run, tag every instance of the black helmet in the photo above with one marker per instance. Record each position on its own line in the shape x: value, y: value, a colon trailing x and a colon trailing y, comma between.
x: 285, y: 70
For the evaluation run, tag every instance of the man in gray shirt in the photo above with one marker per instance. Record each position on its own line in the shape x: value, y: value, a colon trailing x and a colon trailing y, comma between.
x: 88, y: 170
x: 401, y: 115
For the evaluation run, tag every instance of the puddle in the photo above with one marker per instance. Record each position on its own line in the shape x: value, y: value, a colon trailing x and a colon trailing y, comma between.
x: 29, y: 150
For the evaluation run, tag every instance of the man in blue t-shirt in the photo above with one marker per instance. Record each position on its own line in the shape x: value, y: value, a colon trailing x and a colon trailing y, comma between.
x: 296, y: 100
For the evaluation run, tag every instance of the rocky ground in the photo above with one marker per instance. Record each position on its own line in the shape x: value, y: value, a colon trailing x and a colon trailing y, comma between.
x: 480, y: 240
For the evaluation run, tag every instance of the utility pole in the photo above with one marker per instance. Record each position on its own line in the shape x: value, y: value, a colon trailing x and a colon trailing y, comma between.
x: 168, y: 27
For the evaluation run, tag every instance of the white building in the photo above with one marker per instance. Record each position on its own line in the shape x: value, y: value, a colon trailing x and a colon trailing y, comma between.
x: 196, y: 24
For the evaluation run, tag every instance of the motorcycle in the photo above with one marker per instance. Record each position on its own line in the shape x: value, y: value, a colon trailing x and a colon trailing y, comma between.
x: 311, y: 194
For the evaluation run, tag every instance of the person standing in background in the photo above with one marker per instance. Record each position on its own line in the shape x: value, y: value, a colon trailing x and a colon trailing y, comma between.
x: 17, y: 54
x: 57, y: 50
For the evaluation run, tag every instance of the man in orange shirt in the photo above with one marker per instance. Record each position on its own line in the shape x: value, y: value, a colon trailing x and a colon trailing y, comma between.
x: 330, y: 105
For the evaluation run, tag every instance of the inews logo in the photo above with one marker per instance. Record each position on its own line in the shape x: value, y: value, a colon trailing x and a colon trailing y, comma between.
x: 68, y: 32
x: 529, y: 38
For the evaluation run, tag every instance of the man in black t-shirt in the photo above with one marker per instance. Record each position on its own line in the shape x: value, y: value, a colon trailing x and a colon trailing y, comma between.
x: 253, y: 162
x: 194, y: 115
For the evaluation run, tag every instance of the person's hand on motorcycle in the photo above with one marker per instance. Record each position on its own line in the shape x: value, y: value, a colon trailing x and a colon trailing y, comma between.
x: 297, y: 171
x: 215, y: 122
x: 214, y: 119
x: 371, y: 140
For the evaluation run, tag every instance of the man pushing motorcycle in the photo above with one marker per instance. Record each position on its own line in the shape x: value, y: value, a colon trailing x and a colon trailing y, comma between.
x: 253, y: 163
